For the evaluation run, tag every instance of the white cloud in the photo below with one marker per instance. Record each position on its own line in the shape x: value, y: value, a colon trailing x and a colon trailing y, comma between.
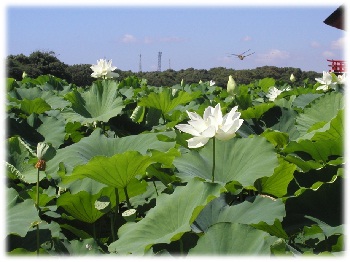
x: 127, y: 38
x: 273, y: 55
x: 338, y: 44
x: 328, y: 54
x: 315, y: 44
x: 247, y: 38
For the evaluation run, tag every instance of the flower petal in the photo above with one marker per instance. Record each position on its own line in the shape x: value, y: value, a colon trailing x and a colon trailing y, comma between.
x: 209, y: 132
x: 197, y: 141
x: 208, y: 112
x: 188, y: 129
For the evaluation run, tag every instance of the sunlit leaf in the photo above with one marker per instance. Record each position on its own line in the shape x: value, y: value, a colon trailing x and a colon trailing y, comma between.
x: 168, y: 220
x: 20, y: 217
x: 165, y: 101
x: 82, y: 205
x: 322, y: 109
x: 277, y: 184
x: 99, y: 145
x: 116, y: 171
x: 256, y: 111
x: 37, y: 105
x: 239, y: 159
x: 100, y: 103
x: 254, y: 210
x: 232, y: 238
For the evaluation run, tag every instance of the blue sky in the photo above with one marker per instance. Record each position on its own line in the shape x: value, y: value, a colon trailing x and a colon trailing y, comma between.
x: 188, y: 36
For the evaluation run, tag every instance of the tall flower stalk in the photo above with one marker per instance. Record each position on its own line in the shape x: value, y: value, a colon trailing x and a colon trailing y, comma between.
x: 213, y: 168
x: 212, y: 125
x: 44, y: 153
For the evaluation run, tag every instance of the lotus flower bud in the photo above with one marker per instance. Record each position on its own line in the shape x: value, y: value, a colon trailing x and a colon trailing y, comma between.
x: 231, y: 85
x: 292, y: 78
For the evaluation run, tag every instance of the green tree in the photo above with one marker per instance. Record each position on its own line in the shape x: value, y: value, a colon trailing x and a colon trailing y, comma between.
x: 36, y: 64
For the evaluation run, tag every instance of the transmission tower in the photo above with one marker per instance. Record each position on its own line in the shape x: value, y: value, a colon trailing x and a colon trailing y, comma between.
x: 159, y: 61
x: 140, y: 66
x: 169, y: 64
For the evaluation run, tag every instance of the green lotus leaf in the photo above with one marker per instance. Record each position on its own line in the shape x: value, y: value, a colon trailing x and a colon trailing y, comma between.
x: 82, y: 205
x: 21, y: 216
x: 168, y: 220
x: 239, y: 159
x: 99, y: 145
x: 28, y: 93
x: 116, y: 171
x: 327, y: 229
x: 305, y: 99
x: 332, y: 130
x: 286, y: 123
x: 37, y: 105
x: 319, y: 150
x: 21, y: 161
x: 256, y: 111
x: 256, y: 209
x: 53, y: 129
x: 233, y: 238
x: 277, y: 138
x: 275, y: 229
x: 54, y: 100
x: 322, y: 109
x: 266, y: 83
x: 85, y: 247
x: 100, y: 103
x: 303, y: 165
x: 277, y: 184
x: 165, y: 101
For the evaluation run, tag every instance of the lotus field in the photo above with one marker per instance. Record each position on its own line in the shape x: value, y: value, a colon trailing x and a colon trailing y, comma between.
x: 121, y: 167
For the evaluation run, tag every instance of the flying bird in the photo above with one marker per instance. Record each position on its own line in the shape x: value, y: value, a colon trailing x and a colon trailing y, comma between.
x: 242, y: 56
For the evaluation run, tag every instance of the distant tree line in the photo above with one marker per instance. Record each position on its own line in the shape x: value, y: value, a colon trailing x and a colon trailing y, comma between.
x: 42, y: 63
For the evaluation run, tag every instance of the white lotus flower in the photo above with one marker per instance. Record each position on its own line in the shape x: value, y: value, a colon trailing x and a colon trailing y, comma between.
x: 211, y: 83
x: 326, y: 81
x: 342, y: 79
x: 213, y: 124
x: 292, y: 78
x: 273, y: 93
x: 103, y: 69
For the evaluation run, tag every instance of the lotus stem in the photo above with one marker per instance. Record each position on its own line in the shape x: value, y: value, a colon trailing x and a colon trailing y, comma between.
x: 116, y: 200
x: 181, y: 247
x: 37, y: 191
x: 114, y: 216
x: 37, y: 239
x: 154, y: 184
x: 112, y: 226
x: 213, y: 169
x: 37, y: 207
x: 127, y: 198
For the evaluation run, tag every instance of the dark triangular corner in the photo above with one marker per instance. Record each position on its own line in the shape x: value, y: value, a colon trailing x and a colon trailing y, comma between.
x: 336, y: 19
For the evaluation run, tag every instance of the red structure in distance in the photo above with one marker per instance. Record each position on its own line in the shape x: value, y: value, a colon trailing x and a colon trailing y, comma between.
x: 337, y: 66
